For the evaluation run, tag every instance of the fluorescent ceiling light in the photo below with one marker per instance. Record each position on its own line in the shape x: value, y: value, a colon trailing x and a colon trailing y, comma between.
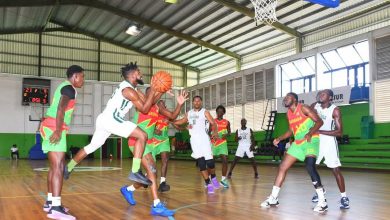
x: 133, y: 30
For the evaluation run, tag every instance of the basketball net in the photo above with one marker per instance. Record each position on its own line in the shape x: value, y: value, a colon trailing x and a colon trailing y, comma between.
x: 265, y: 11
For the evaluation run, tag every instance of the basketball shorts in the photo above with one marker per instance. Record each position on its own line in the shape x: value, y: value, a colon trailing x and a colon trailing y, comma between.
x: 105, y: 126
x: 244, y: 149
x: 329, y: 151
x: 221, y: 149
x: 302, y: 149
x: 201, y: 147
x: 161, y: 146
x: 47, y: 128
x: 149, y: 146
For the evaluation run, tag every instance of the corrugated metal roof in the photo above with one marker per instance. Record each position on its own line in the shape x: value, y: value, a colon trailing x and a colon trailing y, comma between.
x: 179, y: 32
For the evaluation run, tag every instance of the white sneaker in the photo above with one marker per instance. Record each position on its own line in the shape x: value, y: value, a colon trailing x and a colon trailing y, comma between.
x: 270, y: 201
x: 321, y: 207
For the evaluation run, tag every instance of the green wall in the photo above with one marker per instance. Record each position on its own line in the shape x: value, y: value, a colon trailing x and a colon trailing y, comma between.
x: 23, y: 141
x: 26, y: 141
x: 351, y: 116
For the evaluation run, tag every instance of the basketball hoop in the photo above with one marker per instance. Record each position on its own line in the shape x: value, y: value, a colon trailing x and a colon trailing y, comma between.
x: 265, y: 11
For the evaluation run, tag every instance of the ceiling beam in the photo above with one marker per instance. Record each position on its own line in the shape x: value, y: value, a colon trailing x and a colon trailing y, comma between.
x: 121, y: 13
x: 250, y: 13
x: 93, y: 35
x: 108, y: 40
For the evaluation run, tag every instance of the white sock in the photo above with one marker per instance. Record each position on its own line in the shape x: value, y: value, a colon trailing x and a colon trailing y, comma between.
x: 56, y: 201
x: 49, y: 196
x: 344, y: 194
x: 275, y: 191
x: 223, y: 178
x: 321, y: 194
x: 162, y: 179
x: 155, y: 202
x: 131, y: 188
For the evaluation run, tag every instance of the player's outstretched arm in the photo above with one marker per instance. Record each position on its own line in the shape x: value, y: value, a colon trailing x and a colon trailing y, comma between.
x: 213, y: 125
x: 181, y: 99
x: 134, y: 97
x: 181, y: 121
x: 306, y: 110
x: 286, y: 135
x: 338, y: 132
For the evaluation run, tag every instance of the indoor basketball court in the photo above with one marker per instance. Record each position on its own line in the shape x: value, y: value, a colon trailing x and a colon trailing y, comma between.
x: 83, y: 138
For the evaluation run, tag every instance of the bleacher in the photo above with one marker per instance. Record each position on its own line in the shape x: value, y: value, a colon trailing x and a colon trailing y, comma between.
x: 358, y: 153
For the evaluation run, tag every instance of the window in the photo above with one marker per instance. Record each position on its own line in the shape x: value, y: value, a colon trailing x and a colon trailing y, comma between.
x: 296, y: 76
x: 344, y: 66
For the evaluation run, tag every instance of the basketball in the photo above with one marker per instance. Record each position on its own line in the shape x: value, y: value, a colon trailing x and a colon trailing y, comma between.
x: 161, y: 81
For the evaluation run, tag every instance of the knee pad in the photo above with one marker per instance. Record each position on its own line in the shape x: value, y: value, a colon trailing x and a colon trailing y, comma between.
x: 210, y: 164
x: 311, y: 169
x: 202, y: 164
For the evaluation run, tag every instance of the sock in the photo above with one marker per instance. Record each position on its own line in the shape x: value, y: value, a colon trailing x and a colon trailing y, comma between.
x: 223, y: 178
x: 136, y: 165
x: 131, y: 188
x: 344, y: 194
x: 71, y: 165
x: 321, y: 195
x: 49, y: 197
x: 156, y: 202
x: 162, y: 179
x: 275, y: 191
x: 213, y: 176
x: 56, y: 201
x: 207, y: 181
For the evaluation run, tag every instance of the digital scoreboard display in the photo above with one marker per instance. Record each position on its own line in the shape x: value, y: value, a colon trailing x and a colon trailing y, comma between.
x: 35, y: 91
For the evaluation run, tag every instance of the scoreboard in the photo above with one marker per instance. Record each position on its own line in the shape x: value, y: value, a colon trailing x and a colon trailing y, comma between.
x: 35, y: 90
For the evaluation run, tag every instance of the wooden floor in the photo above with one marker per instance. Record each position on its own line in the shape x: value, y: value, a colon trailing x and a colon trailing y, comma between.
x: 95, y: 195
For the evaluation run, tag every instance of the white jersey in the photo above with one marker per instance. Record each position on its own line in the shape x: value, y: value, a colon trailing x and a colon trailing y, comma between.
x: 245, y: 137
x: 326, y: 114
x: 118, y: 105
x: 328, y: 144
x: 200, y: 140
x: 199, y: 125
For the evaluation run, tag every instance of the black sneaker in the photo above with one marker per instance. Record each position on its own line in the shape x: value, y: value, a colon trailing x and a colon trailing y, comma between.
x: 143, y: 185
x: 256, y: 176
x: 139, y: 178
x: 66, y: 172
x: 229, y: 175
x: 47, y: 206
x: 164, y: 187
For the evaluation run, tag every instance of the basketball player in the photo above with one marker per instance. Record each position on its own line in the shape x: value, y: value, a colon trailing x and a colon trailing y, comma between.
x: 162, y: 146
x: 331, y: 129
x: 246, y: 144
x: 199, y: 120
x: 111, y: 121
x: 220, y: 145
x: 304, y: 124
x: 147, y: 123
x: 53, y: 129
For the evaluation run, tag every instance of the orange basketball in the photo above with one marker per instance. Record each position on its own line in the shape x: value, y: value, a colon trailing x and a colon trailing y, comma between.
x: 161, y: 81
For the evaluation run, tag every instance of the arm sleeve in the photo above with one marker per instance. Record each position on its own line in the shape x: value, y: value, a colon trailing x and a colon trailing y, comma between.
x: 68, y: 91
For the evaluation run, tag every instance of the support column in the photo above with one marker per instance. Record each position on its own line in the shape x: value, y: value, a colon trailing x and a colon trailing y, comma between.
x: 298, y: 45
x: 185, y: 76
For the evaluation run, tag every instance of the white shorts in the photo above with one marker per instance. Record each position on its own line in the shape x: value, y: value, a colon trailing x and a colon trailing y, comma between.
x: 105, y: 126
x: 329, y: 151
x: 242, y: 150
x: 201, y: 147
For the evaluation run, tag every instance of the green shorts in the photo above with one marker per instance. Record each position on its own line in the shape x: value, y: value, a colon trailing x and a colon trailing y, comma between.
x: 148, y: 149
x: 302, y: 150
x: 46, y: 133
x: 220, y: 150
x: 161, y: 146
